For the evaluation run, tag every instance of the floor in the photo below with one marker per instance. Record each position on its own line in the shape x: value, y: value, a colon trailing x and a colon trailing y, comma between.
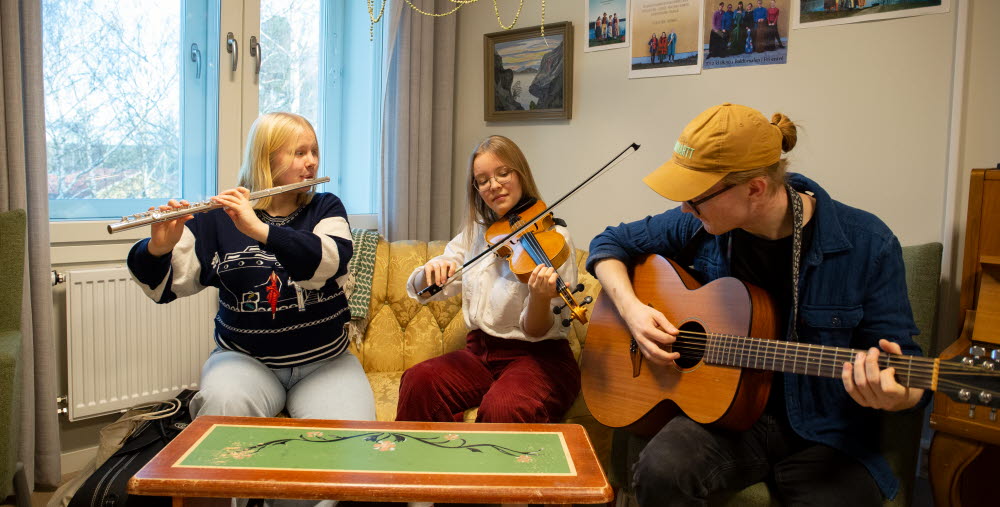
x: 38, y: 498
x: 921, y: 495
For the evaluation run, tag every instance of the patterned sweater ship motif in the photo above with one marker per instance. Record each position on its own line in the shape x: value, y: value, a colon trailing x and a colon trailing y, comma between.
x: 282, y: 302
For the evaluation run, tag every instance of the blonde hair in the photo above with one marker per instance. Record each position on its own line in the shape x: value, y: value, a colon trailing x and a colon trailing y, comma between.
x: 270, y: 135
x: 477, y: 211
x: 775, y: 173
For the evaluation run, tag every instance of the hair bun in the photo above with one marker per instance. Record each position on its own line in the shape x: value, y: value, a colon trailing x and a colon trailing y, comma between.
x: 789, y: 134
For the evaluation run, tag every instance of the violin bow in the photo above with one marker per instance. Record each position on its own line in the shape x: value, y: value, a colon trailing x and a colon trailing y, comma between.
x: 433, y: 289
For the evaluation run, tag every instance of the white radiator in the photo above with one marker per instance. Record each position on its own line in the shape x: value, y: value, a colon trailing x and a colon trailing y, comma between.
x: 123, y: 349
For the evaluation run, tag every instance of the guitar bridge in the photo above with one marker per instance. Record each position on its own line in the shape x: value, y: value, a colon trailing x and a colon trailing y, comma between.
x: 633, y: 351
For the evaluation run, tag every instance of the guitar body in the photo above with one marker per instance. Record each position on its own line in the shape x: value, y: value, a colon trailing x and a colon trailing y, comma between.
x: 724, y: 396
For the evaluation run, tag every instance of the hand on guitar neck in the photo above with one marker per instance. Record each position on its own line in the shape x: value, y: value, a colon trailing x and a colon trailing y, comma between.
x: 874, y: 388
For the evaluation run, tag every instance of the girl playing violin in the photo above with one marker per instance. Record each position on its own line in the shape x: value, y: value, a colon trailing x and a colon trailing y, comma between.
x: 517, y: 365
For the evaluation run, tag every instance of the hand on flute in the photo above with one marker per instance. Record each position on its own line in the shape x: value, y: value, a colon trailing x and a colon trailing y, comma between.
x: 165, y: 235
x: 236, y: 203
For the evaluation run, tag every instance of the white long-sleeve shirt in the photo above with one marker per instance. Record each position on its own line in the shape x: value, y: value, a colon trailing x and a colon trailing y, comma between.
x: 493, y: 299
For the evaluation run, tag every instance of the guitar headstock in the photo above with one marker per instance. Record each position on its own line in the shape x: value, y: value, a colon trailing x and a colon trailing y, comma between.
x: 972, y: 379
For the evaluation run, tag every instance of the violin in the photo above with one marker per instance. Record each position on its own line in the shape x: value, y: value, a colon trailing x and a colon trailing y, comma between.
x: 537, y: 244
x: 543, y: 251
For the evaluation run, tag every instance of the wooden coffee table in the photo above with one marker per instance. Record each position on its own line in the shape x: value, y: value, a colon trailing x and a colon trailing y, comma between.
x: 249, y: 457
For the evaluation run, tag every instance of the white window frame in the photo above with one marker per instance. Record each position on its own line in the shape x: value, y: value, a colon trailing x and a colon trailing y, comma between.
x: 87, y: 241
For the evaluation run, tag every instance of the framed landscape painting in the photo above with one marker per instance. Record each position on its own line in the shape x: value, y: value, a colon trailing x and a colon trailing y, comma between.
x: 529, y: 76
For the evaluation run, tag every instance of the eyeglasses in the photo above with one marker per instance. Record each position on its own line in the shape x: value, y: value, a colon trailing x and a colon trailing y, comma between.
x: 694, y: 203
x: 502, y: 176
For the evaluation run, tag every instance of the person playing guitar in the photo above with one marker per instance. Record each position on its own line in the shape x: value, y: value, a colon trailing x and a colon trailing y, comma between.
x: 835, y: 275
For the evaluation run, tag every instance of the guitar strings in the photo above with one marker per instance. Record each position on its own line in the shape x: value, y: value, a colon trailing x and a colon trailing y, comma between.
x: 833, y: 364
x: 704, y: 336
x: 918, y: 379
x: 771, y: 351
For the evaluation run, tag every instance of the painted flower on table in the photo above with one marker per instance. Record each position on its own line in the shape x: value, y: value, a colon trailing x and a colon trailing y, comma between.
x: 451, y: 436
x: 237, y: 451
x: 384, y: 445
x: 314, y: 434
x: 524, y: 458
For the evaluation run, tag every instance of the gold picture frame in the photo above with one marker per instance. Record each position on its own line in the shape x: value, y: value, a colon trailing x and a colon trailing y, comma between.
x: 528, y: 76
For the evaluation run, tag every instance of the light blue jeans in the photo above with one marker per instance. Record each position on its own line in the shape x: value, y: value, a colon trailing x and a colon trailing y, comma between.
x: 235, y: 384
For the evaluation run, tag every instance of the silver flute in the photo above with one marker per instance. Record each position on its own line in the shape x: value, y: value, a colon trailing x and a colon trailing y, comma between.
x: 154, y: 216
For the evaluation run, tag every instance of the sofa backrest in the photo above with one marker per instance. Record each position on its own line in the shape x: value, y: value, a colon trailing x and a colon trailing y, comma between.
x: 923, y: 275
x: 402, y: 332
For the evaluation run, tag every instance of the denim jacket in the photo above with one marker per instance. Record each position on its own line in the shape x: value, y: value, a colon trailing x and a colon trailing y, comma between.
x: 852, y: 292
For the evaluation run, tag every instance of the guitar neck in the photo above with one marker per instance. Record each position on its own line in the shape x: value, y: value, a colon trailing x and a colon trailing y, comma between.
x: 814, y: 360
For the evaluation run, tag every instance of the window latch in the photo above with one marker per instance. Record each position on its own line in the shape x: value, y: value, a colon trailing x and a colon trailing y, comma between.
x: 233, y: 48
x: 255, y: 51
x: 196, y: 58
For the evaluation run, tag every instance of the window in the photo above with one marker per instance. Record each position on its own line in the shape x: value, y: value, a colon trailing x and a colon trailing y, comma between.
x: 334, y: 85
x: 133, y: 89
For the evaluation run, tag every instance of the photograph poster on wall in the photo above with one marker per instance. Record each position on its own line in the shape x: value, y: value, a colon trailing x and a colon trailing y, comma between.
x: 814, y: 13
x: 606, y: 22
x: 738, y: 34
x: 528, y: 75
x: 665, y: 37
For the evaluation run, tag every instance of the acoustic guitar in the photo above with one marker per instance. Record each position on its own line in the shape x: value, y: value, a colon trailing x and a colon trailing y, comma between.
x: 727, y: 356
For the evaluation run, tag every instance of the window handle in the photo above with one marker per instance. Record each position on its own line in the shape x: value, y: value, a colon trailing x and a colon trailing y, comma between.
x: 233, y: 48
x: 255, y: 51
x: 196, y: 58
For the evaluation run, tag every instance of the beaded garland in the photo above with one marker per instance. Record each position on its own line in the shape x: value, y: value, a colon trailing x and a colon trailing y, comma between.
x: 458, y: 5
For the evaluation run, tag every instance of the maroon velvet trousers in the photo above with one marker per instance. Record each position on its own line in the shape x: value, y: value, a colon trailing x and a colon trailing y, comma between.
x: 509, y: 380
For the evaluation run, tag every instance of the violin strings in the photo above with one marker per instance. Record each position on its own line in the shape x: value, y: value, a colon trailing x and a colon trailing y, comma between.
x: 532, y: 245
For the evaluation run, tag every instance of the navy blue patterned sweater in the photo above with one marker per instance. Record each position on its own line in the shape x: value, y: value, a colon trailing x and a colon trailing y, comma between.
x: 282, y: 302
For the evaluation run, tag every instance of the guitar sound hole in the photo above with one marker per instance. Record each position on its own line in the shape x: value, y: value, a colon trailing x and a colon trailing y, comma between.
x: 690, y: 344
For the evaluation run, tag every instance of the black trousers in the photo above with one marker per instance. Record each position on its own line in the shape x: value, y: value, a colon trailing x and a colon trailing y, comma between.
x: 687, y: 462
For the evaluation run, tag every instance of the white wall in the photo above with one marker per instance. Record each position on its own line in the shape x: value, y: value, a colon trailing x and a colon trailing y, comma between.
x: 873, y: 100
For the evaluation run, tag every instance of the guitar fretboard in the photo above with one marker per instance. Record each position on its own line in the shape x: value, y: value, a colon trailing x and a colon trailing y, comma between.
x: 805, y: 359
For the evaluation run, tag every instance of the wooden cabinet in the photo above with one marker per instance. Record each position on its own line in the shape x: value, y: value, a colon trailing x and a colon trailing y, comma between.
x: 965, y: 451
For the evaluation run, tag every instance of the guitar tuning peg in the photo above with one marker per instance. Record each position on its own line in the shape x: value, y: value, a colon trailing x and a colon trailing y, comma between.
x: 976, y: 351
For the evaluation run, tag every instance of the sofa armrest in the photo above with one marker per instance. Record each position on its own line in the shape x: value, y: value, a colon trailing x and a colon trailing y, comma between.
x: 10, y: 380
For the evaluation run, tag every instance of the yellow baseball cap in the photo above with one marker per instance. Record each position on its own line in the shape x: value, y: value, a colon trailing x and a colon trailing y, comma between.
x: 723, y: 139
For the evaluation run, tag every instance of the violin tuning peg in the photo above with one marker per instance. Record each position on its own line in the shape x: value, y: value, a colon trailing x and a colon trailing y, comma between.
x: 587, y: 300
x: 579, y: 288
x: 567, y: 322
x: 558, y: 309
